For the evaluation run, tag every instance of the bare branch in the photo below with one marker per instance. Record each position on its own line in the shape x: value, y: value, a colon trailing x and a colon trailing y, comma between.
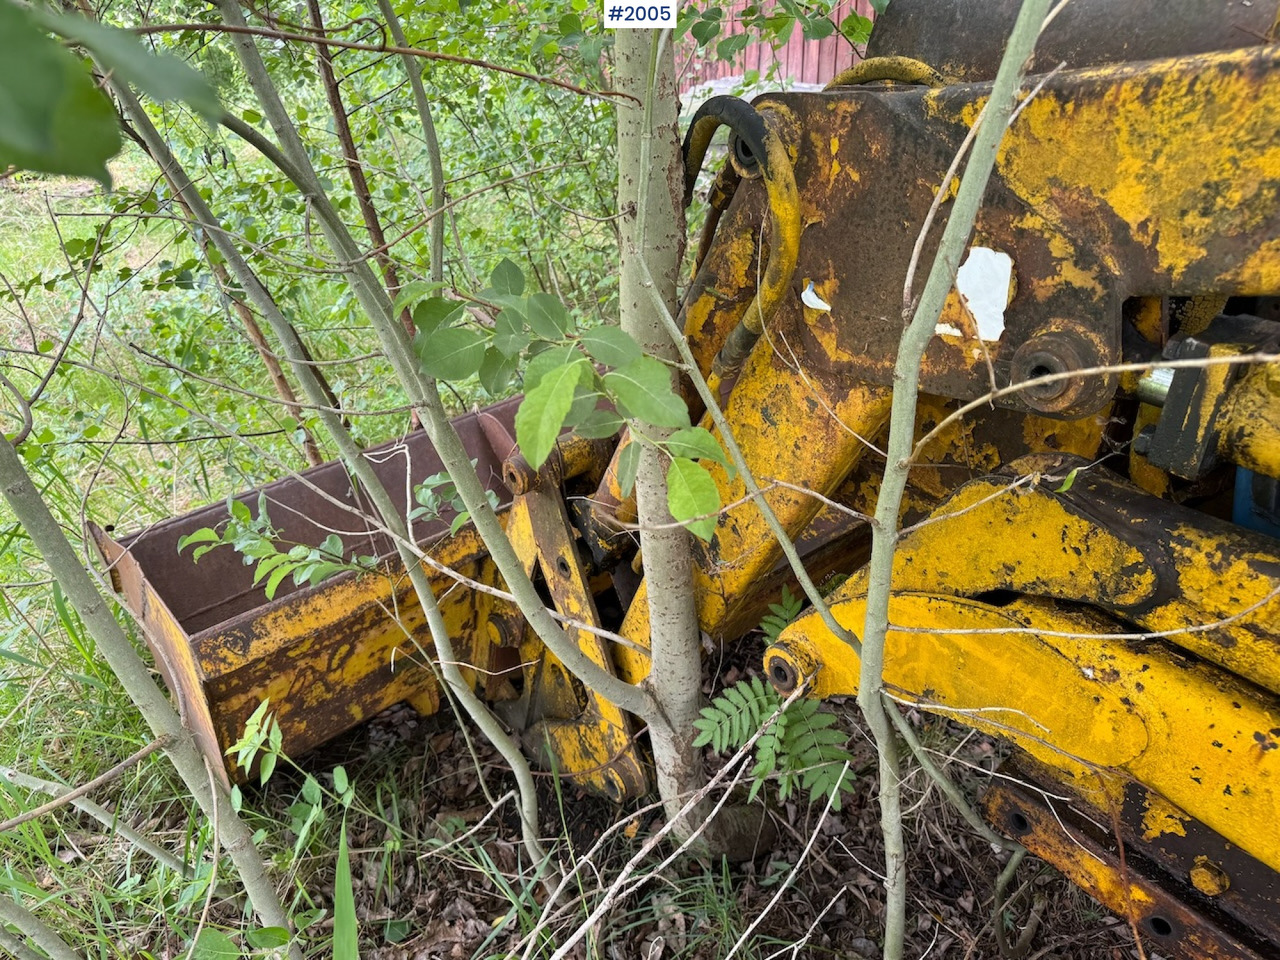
x: 271, y: 34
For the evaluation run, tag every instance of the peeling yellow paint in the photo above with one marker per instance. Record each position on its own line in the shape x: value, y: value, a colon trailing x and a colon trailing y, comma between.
x: 1159, y: 817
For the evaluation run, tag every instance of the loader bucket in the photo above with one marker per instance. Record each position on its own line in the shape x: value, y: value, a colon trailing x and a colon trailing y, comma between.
x: 327, y: 656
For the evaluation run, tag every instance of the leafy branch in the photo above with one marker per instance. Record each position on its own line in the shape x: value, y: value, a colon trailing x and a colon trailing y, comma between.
x: 800, y: 745
x: 568, y: 372
x: 257, y: 541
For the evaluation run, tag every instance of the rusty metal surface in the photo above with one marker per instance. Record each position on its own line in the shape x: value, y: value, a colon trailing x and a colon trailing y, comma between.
x: 1160, y: 565
x: 329, y: 656
x: 169, y: 645
x: 1193, y: 426
x: 1236, y: 884
x: 1169, y: 914
x: 1061, y: 682
x: 581, y: 730
x: 1090, y: 219
x: 964, y: 39
x: 221, y: 586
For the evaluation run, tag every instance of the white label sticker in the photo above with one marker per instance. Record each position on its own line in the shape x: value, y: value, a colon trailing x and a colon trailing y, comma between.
x: 983, y: 282
x: 620, y: 16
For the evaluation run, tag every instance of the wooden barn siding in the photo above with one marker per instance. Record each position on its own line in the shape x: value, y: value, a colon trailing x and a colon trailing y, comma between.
x: 800, y: 60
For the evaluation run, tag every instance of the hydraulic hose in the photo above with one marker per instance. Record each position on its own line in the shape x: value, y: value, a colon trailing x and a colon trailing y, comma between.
x: 897, y: 69
x: 757, y: 152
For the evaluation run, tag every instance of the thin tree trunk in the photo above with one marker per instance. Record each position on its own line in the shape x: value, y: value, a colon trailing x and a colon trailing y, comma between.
x: 906, y: 389
x: 292, y: 159
x: 48, y: 538
x: 439, y: 197
x: 392, y: 517
x: 355, y: 169
x: 650, y: 187
x: 269, y: 360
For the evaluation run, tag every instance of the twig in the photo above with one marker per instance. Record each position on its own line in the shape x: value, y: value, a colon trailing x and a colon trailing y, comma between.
x: 35, y: 929
x: 987, y: 398
x: 999, y: 904
x: 434, y: 161
x: 375, y: 48
x: 24, y: 407
x: 211, y: 885
x: 795, y: 869
x: 613, y: 892
x: 102, y: 815
x: 159, y: 743
x: 946, y: 785
x: 712, y: 404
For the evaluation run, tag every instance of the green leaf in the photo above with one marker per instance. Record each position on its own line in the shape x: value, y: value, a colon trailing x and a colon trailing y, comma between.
x: 543, y: 411
x: 879, y: 5
x: 705, y: 732
x: 277, y: 577
x: 496, y: 371
x: 394, y: 931
x: 346, y: 930
x: 203, y: 535
x: 266, y: 768
x: 643, y: 390
x: 584, y: 405
x: 32, y: 81
x: 311, y: 790
x: 691, y: 493
x: 599, y: 424
x: 451, y: 353
x: 732, y: 45
x: 509, y: 333
x: 818, y: 28
x: 696, y: 443
x: 214, y: 945
x: 267, y: 938
x: 856, y: 29
x: 432, y: 313
x: 611, y: 346
x: 507, y: 278
x: 1063, y: 488
x: 704, y: 31
x: 160, y: 76
x: 547, y: 317
x: 411, y: 294
x: 53, y: 117
x: 628, y: 464
x: 548, y: 361
x: 267, y: 564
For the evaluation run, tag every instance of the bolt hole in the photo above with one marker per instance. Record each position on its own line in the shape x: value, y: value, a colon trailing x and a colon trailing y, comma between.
x: 782, y: 675
x: 1160, y: 926
x: 1019, y: 825
x: 745, y: 156
x: 1040, y: 370
x: 562, y: 566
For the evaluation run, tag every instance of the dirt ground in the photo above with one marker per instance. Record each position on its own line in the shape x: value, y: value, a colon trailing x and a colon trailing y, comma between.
x: 457, y: 902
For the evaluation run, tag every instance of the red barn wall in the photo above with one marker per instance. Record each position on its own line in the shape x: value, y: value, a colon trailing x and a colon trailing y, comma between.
x: 798, y: 60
